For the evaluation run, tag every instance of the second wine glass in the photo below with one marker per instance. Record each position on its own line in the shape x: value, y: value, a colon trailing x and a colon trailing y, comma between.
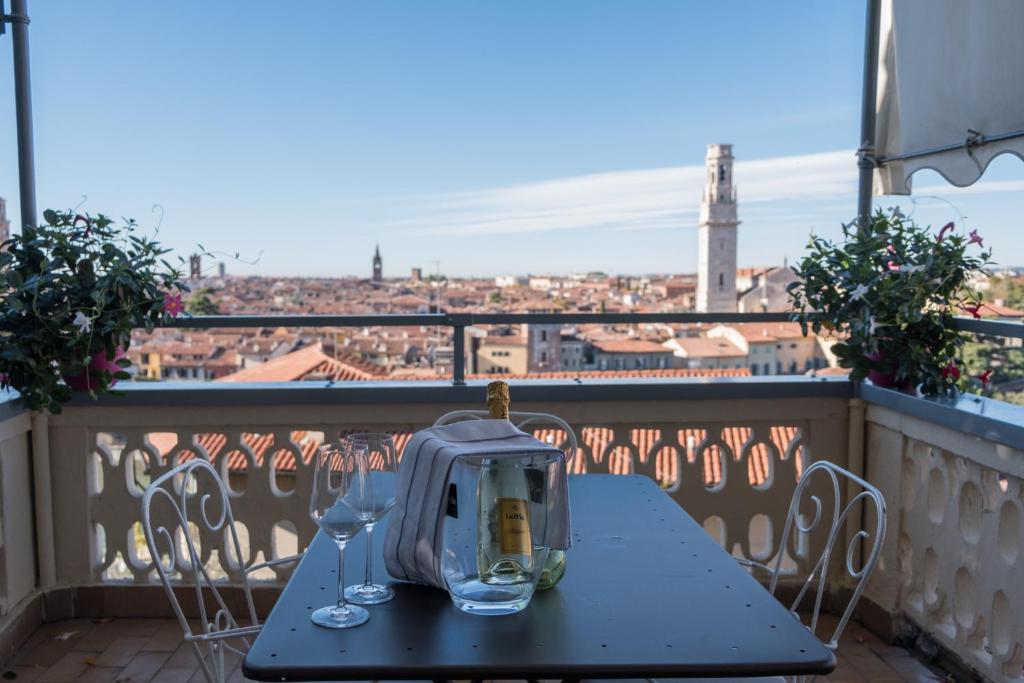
x: 341, y: 504
x: 382, y: 477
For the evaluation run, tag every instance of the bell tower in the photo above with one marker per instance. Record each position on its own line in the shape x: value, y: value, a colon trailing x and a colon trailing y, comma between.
x: 378, y: 266
x: 716, y: 267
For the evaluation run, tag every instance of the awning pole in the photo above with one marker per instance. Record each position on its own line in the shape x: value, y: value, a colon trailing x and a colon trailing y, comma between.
x: 866, y: 152
x: 18, y: 19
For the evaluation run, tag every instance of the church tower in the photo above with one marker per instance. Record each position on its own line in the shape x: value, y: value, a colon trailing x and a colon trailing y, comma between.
x: 716, y: 268
x: 378, y: 266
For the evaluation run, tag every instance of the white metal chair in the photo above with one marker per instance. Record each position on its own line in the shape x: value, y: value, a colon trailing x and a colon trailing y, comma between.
x: 520, y: 420
x: 176, y: 489
x: 868, y: 542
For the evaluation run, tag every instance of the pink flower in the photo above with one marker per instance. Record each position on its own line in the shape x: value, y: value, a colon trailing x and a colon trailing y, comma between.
x: 894, y: 267
x: 973, y: 310
x: 985, y: 377
x: 975, y: 239
x: 173, y: 305
x: 951, y: 370
x: 891, y: 249
x: 946, y: 228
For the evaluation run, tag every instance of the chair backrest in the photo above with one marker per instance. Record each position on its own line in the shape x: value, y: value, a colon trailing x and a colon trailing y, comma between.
x: 521, y: 420
x: 194, y: 494
x: 867, y: 541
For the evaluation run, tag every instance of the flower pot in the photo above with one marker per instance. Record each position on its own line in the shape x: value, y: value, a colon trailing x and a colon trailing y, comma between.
x: 887, y: 378
x: 90, y: 380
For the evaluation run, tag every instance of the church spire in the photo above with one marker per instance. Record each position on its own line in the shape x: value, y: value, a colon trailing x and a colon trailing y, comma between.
x: 378, y: 265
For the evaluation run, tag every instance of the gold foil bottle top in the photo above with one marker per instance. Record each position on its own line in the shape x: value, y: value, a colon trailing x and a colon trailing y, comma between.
x: 498, y: 399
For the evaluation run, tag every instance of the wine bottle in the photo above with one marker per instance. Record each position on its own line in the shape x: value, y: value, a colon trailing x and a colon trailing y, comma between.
x: 505, y: 548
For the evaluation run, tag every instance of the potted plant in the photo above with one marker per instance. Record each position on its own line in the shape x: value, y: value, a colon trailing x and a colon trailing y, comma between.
x: 76, y: 287
x: 889, y: 293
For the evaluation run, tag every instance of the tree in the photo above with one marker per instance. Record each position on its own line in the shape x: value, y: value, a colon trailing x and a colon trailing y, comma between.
x: 200, y: 303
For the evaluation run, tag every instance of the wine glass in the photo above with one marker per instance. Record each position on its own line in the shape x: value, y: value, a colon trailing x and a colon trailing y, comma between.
x: 382, y: 461
x: 341, y: 505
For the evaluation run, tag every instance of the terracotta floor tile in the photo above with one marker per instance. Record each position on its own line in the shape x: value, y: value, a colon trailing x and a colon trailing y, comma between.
x: 143, y: 667
x: 67, y: 668
x: 122, y: 651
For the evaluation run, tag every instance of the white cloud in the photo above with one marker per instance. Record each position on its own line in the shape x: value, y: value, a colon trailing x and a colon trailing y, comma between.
x: 644, y: 199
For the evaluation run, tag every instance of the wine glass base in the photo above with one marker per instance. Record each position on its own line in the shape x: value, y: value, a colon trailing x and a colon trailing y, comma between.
x: 333, y: 616
x: 372, y: 594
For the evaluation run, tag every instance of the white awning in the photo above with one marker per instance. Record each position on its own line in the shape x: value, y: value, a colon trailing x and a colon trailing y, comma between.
x: 950, y: 89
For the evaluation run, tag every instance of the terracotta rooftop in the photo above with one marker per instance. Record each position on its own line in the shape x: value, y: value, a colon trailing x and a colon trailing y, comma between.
x: 708, y: 347
x: 759, y: 332
x: 310, y: 361
x: 629, y: 346
x: 995, y: 310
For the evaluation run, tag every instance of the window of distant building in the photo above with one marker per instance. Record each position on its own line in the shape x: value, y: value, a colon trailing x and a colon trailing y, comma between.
x: 753, y: 368
x: 543, y: 335
x: 543, y: 356
x: 721, y: 281
x: 793, y: 345
x: 792, y: 367
x: 721, y: 173
x: 778, y: 367
x: 767, y: 368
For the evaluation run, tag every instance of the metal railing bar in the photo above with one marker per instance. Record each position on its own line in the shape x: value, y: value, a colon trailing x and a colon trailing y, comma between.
x: 996, y: 328
x: 465, y: 319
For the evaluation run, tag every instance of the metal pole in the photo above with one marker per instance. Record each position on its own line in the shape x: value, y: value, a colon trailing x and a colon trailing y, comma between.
x: 459, y: 352
x: 866, y: 153
x: 18, y: 18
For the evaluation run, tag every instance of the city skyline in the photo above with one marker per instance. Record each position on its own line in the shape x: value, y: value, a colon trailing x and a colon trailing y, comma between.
x: 533, y: 139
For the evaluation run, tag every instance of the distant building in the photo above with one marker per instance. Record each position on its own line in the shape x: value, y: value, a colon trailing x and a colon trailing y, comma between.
x: 378, y: 266
x: 222, y: 269
x: 576, y: 353
x: 776, y: 348
x: 545, y: 347
x: 195, y: 267
x: 503, y: 355
x: 716, y: 258
x: 5, y: 225
x: 511, y: 281
x: 706, y: 352
x: 768, y: 291
x: 417, y: 274
x: 543, y: 283
x: 630, y: 354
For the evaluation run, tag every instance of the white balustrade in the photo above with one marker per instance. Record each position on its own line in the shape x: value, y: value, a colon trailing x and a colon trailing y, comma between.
x: 732, y: 464
x: 952, y: 562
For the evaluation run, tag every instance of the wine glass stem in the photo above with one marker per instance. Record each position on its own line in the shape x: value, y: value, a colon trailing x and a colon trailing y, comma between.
x: 341, y: 574
x: 369, y: 555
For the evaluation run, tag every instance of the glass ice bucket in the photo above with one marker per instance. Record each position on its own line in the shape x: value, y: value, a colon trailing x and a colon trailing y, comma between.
x: 495, y: 531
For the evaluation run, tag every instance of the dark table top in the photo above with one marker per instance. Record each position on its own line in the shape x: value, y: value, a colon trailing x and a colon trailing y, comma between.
x: 647, y: 593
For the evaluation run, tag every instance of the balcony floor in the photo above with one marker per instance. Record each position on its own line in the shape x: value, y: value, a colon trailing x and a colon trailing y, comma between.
x: 140, y: 650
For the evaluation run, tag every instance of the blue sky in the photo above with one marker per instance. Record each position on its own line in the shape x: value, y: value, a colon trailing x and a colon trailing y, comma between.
x: 491, y: 137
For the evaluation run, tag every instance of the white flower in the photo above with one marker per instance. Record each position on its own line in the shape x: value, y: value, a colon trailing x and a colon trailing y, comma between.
x: 858, y: 292
x: 872, y: 326
x: 82, y: 322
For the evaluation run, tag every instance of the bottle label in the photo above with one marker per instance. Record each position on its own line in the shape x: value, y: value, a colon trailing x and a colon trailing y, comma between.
x: 515, y: 526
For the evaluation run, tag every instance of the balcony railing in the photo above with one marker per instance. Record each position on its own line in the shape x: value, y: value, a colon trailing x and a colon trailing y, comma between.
x: 458, y: 322
x: 729, y: 450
